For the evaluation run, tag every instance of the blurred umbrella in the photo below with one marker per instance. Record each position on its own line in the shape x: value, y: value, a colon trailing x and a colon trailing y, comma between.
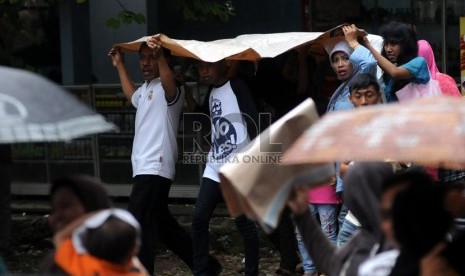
x: 426, y: 131
x: 33, y: 109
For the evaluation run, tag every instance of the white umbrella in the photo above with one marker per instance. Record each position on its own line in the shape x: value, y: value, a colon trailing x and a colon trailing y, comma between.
x: 34, y: 109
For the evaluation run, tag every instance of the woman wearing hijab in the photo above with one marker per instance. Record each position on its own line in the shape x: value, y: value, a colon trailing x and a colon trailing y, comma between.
x: 362, y: 194
x: 446, y: 83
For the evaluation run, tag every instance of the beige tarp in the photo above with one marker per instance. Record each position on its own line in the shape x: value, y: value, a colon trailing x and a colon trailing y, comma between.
x: 250, y: 46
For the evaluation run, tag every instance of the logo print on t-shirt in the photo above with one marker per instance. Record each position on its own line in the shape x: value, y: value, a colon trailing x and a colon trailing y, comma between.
x: 224, y: 133
x: 149, y: 95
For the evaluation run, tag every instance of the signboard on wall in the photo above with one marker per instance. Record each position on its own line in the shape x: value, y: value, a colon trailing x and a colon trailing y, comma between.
x: 462, y: 54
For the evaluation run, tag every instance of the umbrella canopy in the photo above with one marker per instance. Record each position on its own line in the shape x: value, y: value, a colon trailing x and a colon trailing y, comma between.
x: 427, y: 131
x: 250, y: 46
x: 33, y: 109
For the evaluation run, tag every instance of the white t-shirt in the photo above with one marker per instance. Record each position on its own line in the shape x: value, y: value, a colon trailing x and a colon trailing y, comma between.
x: 155, y: 150
x: 229, y: 130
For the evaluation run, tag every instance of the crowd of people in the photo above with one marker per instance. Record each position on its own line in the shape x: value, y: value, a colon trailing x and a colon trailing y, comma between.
x: 381, y: 218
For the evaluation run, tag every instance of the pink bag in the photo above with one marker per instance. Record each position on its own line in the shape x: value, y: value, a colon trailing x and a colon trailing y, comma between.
x: 418, y: 90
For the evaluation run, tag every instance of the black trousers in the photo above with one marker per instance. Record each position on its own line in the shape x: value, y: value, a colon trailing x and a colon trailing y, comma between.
x: 209, y: 197
x: 284, y: 239
x: 148, y: 202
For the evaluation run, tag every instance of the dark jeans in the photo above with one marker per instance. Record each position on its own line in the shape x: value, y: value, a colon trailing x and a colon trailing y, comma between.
x: 284, y: 239
x: 209, y: 197
x: 149, y: 204
x: 342, y: 215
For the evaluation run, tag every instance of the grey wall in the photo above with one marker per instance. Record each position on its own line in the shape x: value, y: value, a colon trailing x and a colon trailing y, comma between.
x: 75, y: 43
x: 251, y: 17
x: 103, y: 37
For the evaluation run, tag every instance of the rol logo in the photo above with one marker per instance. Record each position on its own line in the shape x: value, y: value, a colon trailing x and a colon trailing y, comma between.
x: 223, y: 131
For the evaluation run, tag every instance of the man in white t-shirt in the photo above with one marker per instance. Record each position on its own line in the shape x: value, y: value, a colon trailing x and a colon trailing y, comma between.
x: 158, y: 102
x: 233, y: 118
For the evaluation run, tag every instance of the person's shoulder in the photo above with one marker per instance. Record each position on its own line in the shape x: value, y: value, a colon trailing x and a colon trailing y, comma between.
x: 239, y: 87
x: 237, y: 80
x: 380, y: 264
x: 418, y: 61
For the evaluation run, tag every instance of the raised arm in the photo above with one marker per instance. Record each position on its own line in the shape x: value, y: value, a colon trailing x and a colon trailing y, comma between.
x: 167, y: 77
x: 396, y: 72
x: 68, y: 230
x: 117, y: 59
x: 351, y: 36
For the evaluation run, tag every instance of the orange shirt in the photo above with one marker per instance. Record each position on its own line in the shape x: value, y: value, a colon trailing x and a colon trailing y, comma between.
x: 73, y: 263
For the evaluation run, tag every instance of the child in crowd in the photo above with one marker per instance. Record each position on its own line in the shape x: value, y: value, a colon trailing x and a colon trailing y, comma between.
x: 72, y: 197
x: 323, y: 204
x: 399, y: 59
x: 230, y: 105
x: 364, y: 91
x: 102, y: 243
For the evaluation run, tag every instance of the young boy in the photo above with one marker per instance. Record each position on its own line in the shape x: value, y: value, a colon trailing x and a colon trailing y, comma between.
x: 102, y: 243
x: 364, y: 91
x: 228, y: 102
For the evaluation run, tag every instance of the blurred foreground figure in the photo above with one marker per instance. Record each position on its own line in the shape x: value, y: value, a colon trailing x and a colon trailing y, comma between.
x: 362, y: 193
x: 102, y: 243
x: 72, y: 197
x: 416, y: 222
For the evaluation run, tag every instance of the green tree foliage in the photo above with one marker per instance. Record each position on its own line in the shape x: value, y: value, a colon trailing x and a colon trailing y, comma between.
x: 125, y: 16
x: 203, y: 10
x: 16, y: 32
x: 19, y: 30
